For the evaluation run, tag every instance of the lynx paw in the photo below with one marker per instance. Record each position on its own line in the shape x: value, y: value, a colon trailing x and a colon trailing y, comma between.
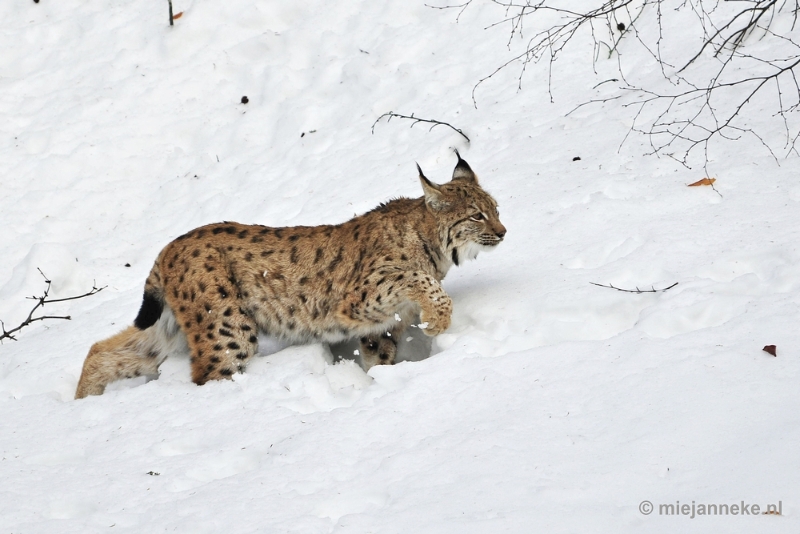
x: 378, y: 350
x: 433, y: 325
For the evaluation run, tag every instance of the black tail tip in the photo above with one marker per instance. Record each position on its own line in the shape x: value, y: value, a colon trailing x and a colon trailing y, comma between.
x: 149, y: 313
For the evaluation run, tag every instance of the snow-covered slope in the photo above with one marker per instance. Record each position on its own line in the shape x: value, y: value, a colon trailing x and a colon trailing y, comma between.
x: 550, y: 405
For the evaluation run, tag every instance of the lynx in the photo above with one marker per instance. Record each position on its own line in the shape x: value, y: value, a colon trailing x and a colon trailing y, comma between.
x: 214, y: 288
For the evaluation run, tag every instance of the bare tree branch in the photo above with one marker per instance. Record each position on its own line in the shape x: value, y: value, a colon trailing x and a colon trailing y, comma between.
x: 435, y: 123
x: 637, y: 290
x: 40, y: 302
x: 709, y: 91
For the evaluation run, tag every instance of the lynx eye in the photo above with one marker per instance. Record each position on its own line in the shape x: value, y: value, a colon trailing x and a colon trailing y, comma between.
x: 477, y: 217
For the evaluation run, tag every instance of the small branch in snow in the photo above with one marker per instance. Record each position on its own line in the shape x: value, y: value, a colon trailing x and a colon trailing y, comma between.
x: 637, y: 290
x: 435, y: 123
x: 40, y: 302
x: 171, y: 23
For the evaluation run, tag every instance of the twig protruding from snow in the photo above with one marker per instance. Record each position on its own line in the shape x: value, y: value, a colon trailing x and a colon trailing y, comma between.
x: 637, y: 290
x: 40, y: 302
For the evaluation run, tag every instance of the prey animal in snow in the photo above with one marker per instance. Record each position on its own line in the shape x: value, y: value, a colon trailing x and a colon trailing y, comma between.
x: 214, y: 288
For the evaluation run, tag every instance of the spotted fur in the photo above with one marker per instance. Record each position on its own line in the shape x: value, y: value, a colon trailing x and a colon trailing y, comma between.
x: 214, y: 288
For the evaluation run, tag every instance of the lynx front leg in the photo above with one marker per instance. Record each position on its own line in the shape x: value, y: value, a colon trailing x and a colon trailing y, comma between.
x: 436, y: 306
x: 386, y: 293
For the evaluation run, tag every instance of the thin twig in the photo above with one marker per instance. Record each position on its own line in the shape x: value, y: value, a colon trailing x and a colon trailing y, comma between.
x: 637, y: 290
x: 171, y: 23
x: 460, y: 7
x: 435, y: 123
x: 40, y: 302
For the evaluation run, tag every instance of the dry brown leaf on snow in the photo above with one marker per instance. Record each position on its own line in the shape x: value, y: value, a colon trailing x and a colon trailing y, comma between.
x: 177, y: 15
x: 770, y: 349
x: 704, y: 181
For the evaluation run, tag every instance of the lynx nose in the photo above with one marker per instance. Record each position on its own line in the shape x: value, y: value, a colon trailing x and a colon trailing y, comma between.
x: 501, y: 232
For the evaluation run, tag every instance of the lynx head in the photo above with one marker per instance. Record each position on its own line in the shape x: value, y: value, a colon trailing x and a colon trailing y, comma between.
x: 466, y: 215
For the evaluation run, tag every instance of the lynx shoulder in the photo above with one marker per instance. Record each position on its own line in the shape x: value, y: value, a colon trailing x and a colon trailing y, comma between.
x: 214, y: 288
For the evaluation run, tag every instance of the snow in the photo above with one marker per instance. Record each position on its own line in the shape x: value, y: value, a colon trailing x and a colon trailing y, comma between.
x: 550, y: 404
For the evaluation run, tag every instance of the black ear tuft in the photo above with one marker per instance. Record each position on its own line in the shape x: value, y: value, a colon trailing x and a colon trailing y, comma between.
x: 424, y: 179
x: 463, y: 171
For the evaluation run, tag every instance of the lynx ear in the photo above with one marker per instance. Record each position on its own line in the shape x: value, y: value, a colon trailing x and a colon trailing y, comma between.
x: 463, y: 172
x: 433, y: 195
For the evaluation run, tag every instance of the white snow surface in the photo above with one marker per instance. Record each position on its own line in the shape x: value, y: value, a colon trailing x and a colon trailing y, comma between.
x: 550, y: 405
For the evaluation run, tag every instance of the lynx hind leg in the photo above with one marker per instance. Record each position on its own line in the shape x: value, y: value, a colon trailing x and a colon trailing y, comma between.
x: 378, y: 349
x: 115, y: 358
x: 221, y: 341
x: 221, y: 336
